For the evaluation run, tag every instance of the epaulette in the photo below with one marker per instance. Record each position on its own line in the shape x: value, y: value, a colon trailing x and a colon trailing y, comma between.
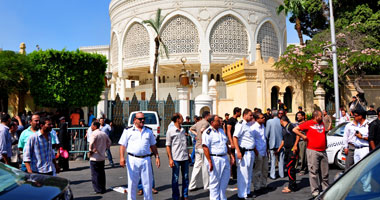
x: 208, y: 131
x: 148, y: 127
x: 241, y: 121
x: 128, y: 127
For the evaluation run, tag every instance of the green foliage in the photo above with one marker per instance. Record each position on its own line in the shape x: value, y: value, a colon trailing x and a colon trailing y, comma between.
x: 13, y: 68
x: 64, y: 79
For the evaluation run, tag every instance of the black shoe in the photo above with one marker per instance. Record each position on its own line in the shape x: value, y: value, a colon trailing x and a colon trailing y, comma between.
x: 251, y: 195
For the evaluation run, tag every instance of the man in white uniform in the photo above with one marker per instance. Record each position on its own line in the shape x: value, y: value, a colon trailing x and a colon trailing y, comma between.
x: 215, y: 147
x: 138, y: 140
x: 244, y: 141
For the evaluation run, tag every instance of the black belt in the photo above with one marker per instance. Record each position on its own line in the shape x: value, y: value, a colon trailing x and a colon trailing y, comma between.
x: 249, y: 149
x: 220, y: 155
x: 140, y: 156
x: 356, y: 146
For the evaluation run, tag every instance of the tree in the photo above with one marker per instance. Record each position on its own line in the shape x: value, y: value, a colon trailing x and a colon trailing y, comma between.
x: 296, y: 7
x: 156, y: 25
x: 65, y: 79
x: 13, y: 76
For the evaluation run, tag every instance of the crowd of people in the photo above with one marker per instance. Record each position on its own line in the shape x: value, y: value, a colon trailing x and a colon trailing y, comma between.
x: 249, y: 147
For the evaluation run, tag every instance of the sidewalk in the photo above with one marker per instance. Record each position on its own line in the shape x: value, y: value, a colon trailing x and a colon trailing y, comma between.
x: 80, y: 180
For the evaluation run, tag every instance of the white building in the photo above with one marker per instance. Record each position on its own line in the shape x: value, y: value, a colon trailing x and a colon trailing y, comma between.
x: 209, y: 33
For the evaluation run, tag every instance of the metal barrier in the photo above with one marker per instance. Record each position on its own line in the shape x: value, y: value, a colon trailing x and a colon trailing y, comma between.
x: 78, y: 141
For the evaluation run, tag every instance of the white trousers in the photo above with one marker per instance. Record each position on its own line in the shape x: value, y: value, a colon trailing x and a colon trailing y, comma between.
x: 198, y: 165
x: 360, y: 153
x: 260, y: 172
x: 244, y: 173
x: 139, y: 167
x: 219, y: 177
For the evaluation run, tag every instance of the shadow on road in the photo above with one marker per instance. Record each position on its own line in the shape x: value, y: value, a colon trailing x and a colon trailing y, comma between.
x: 89, y: 198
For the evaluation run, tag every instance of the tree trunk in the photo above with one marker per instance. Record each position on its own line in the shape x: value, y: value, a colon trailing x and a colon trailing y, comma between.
x: 157, y: 42
x: 298, y: 28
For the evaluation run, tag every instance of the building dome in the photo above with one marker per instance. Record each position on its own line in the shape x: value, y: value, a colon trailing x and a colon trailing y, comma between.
x: 210, y: 34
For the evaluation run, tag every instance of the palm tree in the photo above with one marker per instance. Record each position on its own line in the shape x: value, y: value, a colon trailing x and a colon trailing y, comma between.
x: 296, y: 7
x: 156, y: 25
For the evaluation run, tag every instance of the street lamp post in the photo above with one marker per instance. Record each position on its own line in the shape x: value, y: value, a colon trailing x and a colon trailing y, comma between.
x: 335, y: 63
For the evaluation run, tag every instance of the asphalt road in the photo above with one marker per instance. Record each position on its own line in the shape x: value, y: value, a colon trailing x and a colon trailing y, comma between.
x: 80, y: 178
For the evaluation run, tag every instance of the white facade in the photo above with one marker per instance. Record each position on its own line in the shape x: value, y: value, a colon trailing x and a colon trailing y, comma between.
x: 209, y: 33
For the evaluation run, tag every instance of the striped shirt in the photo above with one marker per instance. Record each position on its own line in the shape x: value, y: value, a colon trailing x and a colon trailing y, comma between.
x: 39, y: 152
x: 5, y: 141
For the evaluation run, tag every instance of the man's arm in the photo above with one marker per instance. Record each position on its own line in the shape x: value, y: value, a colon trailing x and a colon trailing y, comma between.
x: 155, y: 152
x: 236, y: 144
x: 232, y: 157
x: 297, y: 131
x: 229, y: 135
x: 280, y: 147
x: 122, y: 152
x: 169, y: 151
x: 208, y: 157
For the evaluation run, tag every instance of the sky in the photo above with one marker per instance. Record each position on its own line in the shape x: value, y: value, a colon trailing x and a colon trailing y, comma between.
x: 58, y: 24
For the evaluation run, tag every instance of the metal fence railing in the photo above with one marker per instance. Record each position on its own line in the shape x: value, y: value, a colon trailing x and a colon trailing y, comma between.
x: 78, y: 141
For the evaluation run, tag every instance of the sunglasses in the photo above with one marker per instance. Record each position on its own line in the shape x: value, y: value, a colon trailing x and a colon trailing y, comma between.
x: 141, y: 119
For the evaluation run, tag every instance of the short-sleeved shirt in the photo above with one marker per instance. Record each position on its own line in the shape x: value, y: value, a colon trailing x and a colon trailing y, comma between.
x: 39, y: 152
x: 260, y: 139
x: 177, y: 140
x: 75, y: 119
x: 136, y: 142
x: 316, y: 135
x: 374, y: 132
x: 106, y: 129
x: 199, y: 127
x: 245, y: 135
x: 232, y: 121
x: 215, y: 140
x: 288, y: 136
x: 28, y: 132
x: 327, y: 121
x: 99, y: 141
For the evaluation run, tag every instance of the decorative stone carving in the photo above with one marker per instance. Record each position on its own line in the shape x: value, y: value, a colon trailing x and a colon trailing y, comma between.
x: 229, y: 36
x: 203, y: 14
x: 114, y: 50
x: 268, y: 40
x: 136, y: 43
x: 180, y: 35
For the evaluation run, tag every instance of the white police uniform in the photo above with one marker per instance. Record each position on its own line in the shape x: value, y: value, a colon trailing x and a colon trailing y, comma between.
x: 216, y: 141
x: 138, y: 161
x: 246, y: 140
x: 361, y: 146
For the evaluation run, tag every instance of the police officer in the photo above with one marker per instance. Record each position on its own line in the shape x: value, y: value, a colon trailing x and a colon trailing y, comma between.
x: 138, y: 140
x: 215, y: 147
x: 244, y: 141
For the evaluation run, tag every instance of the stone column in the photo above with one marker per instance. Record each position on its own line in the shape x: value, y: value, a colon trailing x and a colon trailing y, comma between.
x: 113, y: 90
x: 204, y: 82
x: 320, y: 97
x: 184, y: 100
x: 213, y: 93
x: 103, y: 103
x: 122, y: 89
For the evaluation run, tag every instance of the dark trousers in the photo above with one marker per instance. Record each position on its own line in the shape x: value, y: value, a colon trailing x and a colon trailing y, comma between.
x: 184, y: 167
x: 290, y: 160
x: 98, y: 176
x: 63, y: 163
x: 233, y: 166
x: 350, y: 157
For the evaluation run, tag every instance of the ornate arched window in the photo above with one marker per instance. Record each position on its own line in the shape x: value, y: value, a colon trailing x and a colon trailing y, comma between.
x: 212, y: 77
x: 267, y: 38
x: 217, y: 77
x: 288, y: 98
x: 136, y: 43
x: 229, y: 35
x: 274, y: 97
x: 180, y: 35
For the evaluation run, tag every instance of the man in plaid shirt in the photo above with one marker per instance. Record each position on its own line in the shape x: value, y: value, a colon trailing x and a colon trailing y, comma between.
x: 38, y: 152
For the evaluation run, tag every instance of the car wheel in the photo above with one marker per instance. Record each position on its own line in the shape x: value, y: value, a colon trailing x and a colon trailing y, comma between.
x: 338, y: 162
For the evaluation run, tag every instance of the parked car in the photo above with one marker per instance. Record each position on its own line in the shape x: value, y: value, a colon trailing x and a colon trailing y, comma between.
x: 361, y: 181
x: 152, y: 120
x: 335, y: 146
x: 16, y: 184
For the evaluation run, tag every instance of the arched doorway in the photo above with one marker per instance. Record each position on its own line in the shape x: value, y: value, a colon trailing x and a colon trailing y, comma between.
x: 212, y: 77
x: 274, y: 97
x: 205, y: 108
x: 288, y: 98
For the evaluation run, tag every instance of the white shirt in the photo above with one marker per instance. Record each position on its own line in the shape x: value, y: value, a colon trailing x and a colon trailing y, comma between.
x: 245, y: 135
x: 136, y: 142
x: 89, y: 131
x: 345, y: 118
x: 260, y: 139
x: 215, y: 140
x: 350, y: 131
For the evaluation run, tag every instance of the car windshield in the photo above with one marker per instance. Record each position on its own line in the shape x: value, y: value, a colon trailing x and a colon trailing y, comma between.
x: 361, y: 182
x: 338, y: 130
x: 150, y: 118
x: 9, y: 177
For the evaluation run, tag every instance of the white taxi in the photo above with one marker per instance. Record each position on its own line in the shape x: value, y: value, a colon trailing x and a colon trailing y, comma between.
x: 335, y: 145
